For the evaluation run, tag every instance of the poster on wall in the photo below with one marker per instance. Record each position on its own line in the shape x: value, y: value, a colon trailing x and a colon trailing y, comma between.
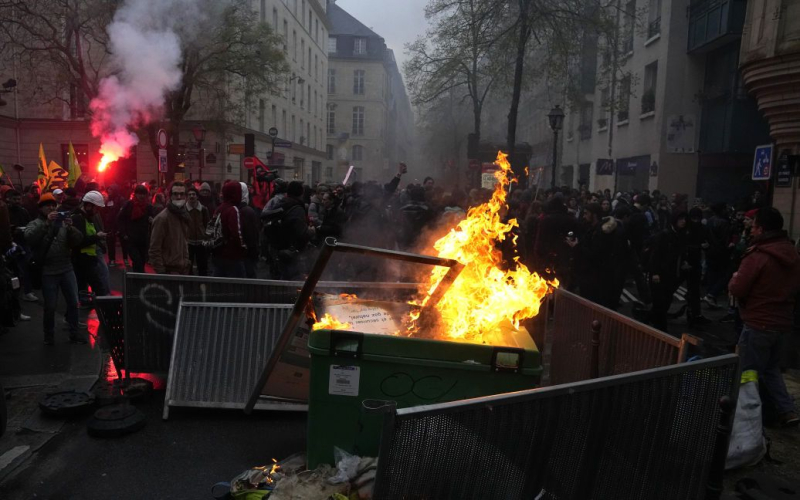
x: 680, y: 134
x: 605, y: 167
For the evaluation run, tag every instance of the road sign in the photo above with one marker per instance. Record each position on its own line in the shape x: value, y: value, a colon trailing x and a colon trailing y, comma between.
x: 784, y: 170
x: 273, y: 132
x: 283, y: 144
x: 249, y: 163
x: 163, y: 166
x: 762, y: 163
x: 236, y: 149
x: 161, y: 138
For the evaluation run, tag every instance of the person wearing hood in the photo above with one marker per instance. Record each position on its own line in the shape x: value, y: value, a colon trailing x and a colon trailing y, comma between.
x: 766, y: 286
x: 553, y: 254
x: 295, y: 233
x: 199, y: 218
x: 667, y: 264
x: 250, y: 232
x: 207, y: 198
x: 133, y: 224
x: 228, y: 254
x: 596, y: 257
x: 88, y: 221
x: 169, y: 241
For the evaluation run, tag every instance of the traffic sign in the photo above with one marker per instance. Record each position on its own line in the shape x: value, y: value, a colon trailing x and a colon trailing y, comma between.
x: 162, y: 160
x: 249, y: 163
x: 161, y: 138
x: 784, y: 170
x: 762, y: 163
x: 283, y: 144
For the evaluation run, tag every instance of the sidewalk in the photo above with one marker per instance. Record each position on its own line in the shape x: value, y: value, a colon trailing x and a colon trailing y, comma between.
x: 29, y: 370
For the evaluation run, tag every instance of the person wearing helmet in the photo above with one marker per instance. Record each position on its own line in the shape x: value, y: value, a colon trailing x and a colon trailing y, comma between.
x: 52, y: 237
x: 87, y: 219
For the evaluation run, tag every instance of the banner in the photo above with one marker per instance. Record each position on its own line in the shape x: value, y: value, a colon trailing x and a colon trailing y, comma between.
x: 44, y: 174
x: 74, y: 167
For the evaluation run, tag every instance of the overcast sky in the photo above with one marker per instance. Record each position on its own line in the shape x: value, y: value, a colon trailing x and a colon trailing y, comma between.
x: 398, y: 22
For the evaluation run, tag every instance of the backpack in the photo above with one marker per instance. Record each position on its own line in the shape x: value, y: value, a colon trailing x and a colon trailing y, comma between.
x: 214, y: 232
x: 275, y: 228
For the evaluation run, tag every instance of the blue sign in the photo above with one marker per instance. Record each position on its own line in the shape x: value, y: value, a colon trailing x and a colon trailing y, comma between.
x: 762, y: 163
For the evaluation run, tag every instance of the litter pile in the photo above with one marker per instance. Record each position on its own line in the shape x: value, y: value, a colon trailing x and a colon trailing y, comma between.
x: 352, y: 479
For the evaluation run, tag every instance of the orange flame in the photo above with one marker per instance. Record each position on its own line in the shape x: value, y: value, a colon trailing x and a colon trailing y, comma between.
x: 484, y: 295
x: 111, y: 151
x: 328, y: 322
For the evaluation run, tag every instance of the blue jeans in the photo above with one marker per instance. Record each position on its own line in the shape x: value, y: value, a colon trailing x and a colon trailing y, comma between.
x: 69, y: 289
x: 227, y: 268
x: 760, y: 350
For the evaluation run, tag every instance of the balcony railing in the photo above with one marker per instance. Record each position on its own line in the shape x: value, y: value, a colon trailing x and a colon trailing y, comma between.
x: 654, y: 27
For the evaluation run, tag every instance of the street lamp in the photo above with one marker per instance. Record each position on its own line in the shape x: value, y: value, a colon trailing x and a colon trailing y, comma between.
x: 273, y: 132
x: 556, y: 117
x: 199, y: 133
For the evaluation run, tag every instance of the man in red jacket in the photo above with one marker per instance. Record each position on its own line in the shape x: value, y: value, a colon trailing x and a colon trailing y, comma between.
x: 227, y: 259
x: 766, y: 284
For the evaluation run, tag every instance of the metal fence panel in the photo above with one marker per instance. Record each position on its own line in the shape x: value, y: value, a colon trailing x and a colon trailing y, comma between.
x: 218, y: 351
x: 649, y: 434
x: 625, y: 344
x: 152, y: 300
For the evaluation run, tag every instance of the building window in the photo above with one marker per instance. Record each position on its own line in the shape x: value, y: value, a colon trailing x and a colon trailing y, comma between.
x: 294, y: 129
x: 602, y: 122
x: 309, y: 21
x: 309, y: 61
x: 82, y: 154
x: 315, y: 102
x: 285, y: 36
x: 316, y: 30
x: 77, y: 102
x: 331, y: 81
x: 283, y: 123
x: 294, y: 87
x: 314, y: 137
x: 302, y: 137
x: 358, y: 153
x: 585, y: 127
x: 274, y: 122
x: 316, y: 68
x: 624, y: 98
x: 309, y: 95
x: 629, y: 20
x: 329, y: 151
x: 331, y: 123
x: 358, y: 82
x: 308, y: 133
x: 360, y: 46
x: 262, y: 110
x: 358, y: 120
x: 649, y: 93
x: 332, y: 45
x: 275, y: 19
x: 654, y: 18
x: 329, y: 170
x: 303, y: 54
x: 294, y: 44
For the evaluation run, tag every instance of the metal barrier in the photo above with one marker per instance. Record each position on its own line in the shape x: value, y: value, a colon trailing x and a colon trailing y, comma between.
x: 152, y: 300
x: 217, y: 352
x: 624, y: 345
x: 110, y: 313
x: 654, y: 434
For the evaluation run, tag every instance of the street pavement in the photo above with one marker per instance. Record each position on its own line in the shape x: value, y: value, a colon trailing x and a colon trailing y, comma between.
x: 180, y: 458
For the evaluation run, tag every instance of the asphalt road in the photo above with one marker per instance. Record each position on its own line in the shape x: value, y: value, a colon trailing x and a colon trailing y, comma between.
x: 177, y: 459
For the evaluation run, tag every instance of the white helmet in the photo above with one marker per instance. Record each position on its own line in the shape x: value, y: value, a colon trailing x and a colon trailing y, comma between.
x: 95, y: 198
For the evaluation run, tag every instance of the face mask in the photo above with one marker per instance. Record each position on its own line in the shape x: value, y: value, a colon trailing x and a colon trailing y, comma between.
x: 179, y: 203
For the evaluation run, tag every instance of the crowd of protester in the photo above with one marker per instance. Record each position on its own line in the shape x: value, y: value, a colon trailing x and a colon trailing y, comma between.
x: 592, y: 242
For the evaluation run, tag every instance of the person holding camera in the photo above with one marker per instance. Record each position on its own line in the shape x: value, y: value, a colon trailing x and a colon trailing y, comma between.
x: 52, y: 238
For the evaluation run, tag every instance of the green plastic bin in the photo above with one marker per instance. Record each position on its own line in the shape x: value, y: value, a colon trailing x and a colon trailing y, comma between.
x: 348, y: 368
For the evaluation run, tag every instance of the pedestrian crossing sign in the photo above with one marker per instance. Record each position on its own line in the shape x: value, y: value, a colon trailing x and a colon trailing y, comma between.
x: 762, y: 163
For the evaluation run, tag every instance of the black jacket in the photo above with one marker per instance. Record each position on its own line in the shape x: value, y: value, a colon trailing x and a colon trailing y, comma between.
x: 19, y: 218
x: 667, y: 251
x: 250, y: 229
x: 295, y: 224
x: 137, y: 231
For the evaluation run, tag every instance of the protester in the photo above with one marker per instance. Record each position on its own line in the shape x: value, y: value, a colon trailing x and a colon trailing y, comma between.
x: 19, y: 219
x: 766, y: 285
x: 228, y: 253
x: 288, y: 233
x: 696, y: 243
x: 110, y: 216
x: 196, y: 238
x: 71, y: 200
x: 553, y: 254
x: 133, y: 224
x: 58, y: 194
x: 52, y: 238
x: 718, y: 253
x: 666, y: 265
x: 87, y: 220
x: 250, y: 233
x: 413, y: 218
x: 596, y: 257
x: 169, y: 247
x: 207, y: 198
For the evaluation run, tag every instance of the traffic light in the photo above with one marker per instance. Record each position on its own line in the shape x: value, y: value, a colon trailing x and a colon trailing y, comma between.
x: 249, y: 145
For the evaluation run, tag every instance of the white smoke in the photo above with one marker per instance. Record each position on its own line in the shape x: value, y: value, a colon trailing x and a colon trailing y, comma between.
x: 146, y: 60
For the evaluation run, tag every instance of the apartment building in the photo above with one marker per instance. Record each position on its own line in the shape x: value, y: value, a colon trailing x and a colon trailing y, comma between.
x: 298, y: 114
x: 369, y: 120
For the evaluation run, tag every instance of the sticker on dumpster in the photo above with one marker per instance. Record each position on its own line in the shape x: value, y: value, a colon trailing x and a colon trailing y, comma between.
x: 343, y: 380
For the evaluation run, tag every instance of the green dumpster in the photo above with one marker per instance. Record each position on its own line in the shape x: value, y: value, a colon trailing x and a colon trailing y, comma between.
x: 348, y: 368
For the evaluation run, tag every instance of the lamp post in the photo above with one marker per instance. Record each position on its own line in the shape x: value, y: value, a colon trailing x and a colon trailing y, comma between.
x: 199, y: 133
x: 273, y: 132
x: 556, y: 117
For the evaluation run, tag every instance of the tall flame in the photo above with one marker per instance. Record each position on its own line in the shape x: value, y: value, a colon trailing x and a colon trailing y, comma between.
x: 484, y: 295
x: 328, y: 322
